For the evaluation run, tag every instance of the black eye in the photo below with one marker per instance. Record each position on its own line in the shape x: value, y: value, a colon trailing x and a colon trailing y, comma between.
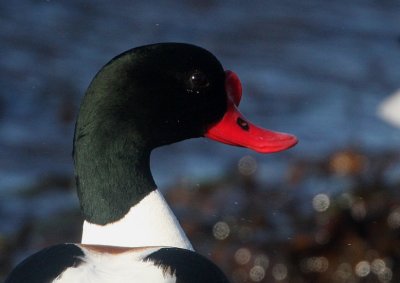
x: 197, y: 82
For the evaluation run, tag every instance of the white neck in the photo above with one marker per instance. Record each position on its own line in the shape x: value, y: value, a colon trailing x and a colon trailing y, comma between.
x: 149, y: 223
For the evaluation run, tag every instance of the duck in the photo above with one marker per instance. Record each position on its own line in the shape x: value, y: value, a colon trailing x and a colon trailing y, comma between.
x: 144, y: 98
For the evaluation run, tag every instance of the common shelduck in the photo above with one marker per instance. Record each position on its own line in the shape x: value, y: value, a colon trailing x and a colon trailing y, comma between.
x: 144, y: 98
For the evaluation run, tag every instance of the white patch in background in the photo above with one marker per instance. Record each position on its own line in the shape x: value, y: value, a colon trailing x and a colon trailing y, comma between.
x: 149, y: 223
x: 389, y: 109
x: 115, y: 268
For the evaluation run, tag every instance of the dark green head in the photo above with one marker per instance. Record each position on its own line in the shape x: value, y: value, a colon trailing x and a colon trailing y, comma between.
x: 156, y: 94
x: 144, y: 98
x: 147, y: 97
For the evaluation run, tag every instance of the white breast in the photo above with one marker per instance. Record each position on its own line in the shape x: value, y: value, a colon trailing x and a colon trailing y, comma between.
x: 100, y: 267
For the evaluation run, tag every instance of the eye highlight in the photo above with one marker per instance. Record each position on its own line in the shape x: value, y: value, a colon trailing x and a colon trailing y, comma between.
x: 197, y: 81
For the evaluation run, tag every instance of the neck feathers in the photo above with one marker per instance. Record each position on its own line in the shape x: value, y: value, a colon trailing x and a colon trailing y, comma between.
x: 112, y: 175
x: 148, y: 223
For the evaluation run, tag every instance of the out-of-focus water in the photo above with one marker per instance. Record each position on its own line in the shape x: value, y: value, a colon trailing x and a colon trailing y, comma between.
x: 317, y: 69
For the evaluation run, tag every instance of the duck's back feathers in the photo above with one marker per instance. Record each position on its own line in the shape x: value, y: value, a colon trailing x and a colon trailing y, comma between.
x: 47, y: 264
x: 187, y: 266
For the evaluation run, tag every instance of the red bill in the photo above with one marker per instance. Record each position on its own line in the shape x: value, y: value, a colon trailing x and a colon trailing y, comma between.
x: 235, y: 129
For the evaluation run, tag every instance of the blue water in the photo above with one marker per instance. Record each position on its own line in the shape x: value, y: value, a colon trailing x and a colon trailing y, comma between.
x: 317, y: 69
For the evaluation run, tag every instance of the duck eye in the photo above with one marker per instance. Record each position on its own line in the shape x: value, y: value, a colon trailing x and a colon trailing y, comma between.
x: 197, y: 82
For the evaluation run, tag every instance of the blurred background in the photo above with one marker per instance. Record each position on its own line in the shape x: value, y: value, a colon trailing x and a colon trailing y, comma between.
x: 327, y: 210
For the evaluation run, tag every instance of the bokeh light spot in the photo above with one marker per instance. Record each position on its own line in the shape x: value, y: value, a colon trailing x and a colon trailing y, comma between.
x: 344, y: 271
x: 393, y: 219
x: 247, y: 165
x: 386, y: 275
x: 242, y: 256
x: 378, y: 266
x: 221, y: 230
x: 315, y: 264
x: 346, y: 163
x: 257, y: 273
x: 321, y: 202
x: 279, y: 271
x: 362, y: 268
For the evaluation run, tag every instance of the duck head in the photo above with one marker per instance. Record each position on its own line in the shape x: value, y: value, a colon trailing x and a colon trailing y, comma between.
x: 148, y: 97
